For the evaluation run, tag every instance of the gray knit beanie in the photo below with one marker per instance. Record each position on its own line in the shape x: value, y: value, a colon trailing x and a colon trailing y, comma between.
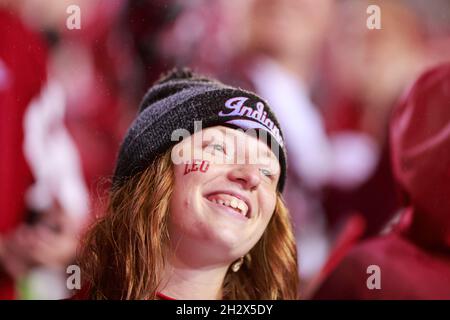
x: 179, y: 99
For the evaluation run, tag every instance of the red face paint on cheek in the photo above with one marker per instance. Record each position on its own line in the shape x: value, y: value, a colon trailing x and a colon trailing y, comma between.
x: 204, y: 166
x: 196, y: 165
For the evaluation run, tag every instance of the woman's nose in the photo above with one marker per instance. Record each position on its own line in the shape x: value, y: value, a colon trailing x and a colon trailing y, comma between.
x: 246, y: 175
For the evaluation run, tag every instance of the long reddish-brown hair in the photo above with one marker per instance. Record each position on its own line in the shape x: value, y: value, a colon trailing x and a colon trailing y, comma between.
x: 124, y: 253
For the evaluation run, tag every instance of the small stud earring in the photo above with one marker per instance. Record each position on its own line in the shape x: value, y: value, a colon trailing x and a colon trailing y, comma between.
x: 237, y: 265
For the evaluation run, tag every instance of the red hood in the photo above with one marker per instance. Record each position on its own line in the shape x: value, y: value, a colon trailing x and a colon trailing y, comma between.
x: 420, y: 142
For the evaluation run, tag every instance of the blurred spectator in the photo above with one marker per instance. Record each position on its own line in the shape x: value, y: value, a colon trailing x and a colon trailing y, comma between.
x: 363, y: 75
x: 152, y: 31
x: 413, y: 256
x: 43, y: 197
x: 23, y: 59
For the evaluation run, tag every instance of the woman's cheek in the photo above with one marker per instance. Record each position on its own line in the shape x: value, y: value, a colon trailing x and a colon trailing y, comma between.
x: 269, y: 202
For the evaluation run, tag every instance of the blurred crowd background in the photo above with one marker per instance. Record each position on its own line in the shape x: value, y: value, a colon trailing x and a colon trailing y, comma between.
x: 68, y: 96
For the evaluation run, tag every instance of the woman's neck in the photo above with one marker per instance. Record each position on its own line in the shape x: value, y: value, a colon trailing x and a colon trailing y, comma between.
x: 182, y: 281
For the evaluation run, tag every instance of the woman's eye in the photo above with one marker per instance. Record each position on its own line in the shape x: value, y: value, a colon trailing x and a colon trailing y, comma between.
x: 217, y: 147
x: 266, y: 172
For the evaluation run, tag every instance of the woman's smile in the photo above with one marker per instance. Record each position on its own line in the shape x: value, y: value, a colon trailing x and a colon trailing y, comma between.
x: 230, y: 203
x: 233, y: 200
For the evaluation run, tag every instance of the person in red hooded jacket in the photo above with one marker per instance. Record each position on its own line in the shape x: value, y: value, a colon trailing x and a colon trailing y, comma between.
x: 412, y: 260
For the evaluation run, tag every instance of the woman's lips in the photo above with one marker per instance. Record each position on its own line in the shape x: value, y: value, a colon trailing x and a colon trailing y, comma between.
x: 230, y: 201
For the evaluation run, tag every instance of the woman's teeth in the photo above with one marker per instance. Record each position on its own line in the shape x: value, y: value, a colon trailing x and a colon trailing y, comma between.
x: 230, y: 201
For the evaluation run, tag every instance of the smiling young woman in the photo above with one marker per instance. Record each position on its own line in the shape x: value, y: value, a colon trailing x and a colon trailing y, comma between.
x: 204, y: 228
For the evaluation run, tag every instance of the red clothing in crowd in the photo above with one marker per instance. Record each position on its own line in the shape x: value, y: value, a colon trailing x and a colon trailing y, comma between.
x: 23, y: 58
x: 407, y: 271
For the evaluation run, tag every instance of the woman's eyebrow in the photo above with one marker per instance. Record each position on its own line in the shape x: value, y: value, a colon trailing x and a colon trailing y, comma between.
x: 273, y: 165
x: 229, y: 131
x: 212, y: 136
